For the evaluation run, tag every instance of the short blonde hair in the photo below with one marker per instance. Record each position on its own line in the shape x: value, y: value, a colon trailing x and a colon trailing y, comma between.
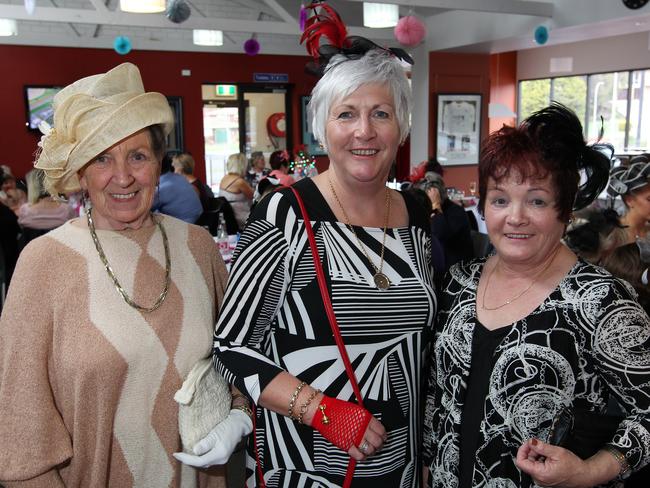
x: 35, y: 187
x: 184, y: 162
x: 236, y: 164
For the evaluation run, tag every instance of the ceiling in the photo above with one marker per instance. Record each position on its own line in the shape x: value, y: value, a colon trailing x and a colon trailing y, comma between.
x: 458, y: 25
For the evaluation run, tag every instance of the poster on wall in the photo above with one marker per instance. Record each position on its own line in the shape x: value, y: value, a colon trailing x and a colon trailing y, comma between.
x: 459, y: 129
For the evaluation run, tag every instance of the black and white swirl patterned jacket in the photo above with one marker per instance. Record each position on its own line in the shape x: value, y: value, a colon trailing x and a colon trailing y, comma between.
x: 588, y: 340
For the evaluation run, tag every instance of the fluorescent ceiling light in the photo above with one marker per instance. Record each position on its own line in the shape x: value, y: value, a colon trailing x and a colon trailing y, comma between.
x: 380, y: 14
x: 204, y: 37
x: 8, y: 28
x: 142, y: 6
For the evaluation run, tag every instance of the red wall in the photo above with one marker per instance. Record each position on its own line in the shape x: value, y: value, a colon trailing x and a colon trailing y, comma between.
x: 471, y: 74
x: 503, y: 86
x: 161, y: 71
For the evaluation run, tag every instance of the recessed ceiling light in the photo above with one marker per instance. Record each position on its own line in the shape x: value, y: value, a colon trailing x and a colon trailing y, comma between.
x: 8, y: 28
x: 142, y: 6
x: 204, y: 37
x: 380, y: 15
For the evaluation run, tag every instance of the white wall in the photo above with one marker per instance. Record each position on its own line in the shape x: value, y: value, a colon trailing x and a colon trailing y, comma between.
x: 599, y: 55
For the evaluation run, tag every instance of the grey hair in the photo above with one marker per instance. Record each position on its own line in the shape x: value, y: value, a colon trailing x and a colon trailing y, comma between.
x: 343, y: 76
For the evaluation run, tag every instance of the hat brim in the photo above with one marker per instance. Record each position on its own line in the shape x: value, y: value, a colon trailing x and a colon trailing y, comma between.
x: 136, y: 114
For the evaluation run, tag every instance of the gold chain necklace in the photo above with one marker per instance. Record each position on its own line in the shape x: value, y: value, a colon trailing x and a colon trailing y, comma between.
x: 509, y: 301
x: 381, y: 280
x: 111, y: 274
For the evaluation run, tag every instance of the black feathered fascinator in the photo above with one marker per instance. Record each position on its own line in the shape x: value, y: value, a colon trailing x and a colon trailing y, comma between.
x: 559, y: 132
x: 326, y: 22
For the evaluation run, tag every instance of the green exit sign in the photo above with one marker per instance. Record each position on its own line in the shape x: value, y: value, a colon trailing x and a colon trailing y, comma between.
x: 226, y: 90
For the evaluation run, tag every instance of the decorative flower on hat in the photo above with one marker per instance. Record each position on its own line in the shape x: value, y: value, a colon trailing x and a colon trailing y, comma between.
x: 54, y: 151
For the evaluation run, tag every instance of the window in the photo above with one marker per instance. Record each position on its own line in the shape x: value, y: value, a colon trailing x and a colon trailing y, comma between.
x: 618, y: 104
x: 533, y: 95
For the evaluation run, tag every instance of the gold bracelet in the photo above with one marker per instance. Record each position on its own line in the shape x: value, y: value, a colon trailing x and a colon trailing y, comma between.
x: 303, y: 407
x: 244, y: 408
x: 620, y: 458
x: 294, y: 397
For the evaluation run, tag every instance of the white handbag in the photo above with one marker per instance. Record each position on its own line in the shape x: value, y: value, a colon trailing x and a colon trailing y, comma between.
x: 204, y: 401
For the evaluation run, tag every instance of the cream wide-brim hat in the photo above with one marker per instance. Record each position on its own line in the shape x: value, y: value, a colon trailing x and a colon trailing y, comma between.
x: 92, y: 115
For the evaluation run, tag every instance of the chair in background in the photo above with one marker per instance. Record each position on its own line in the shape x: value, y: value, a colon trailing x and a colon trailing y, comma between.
x: 210, y: 218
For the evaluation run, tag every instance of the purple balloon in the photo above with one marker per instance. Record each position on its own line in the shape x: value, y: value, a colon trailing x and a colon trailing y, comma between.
x: 303, y: 17
x: 251, y: 47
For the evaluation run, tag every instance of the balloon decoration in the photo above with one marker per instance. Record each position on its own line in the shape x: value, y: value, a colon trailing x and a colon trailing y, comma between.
x: 541, y: 34
x: 302, y: 17
x: 177, y: 11
x: 410, y: 31
x: 30, y: 6
x: 251, y: 46
x: 122, y: 45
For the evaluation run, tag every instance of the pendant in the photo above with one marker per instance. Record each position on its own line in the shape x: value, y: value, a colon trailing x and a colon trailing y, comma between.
x: 381, y: 281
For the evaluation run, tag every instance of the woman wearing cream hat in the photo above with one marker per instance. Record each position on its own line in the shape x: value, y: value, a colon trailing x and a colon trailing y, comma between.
x: 106, y: 314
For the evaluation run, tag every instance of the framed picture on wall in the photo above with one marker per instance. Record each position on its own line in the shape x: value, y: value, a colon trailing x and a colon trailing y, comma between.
x: 308, y: 139
x: 459, y: 129
x: 175, y: 137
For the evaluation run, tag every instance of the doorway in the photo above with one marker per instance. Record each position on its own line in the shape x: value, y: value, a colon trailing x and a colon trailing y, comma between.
x: 243, y: 118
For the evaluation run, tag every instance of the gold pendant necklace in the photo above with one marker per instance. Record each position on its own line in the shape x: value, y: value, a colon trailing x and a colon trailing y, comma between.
x: 111, y: 274
x: 509, y: 301
x: 381, y: 280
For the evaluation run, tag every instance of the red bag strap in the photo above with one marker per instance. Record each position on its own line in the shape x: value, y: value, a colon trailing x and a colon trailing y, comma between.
x: 322, y: 285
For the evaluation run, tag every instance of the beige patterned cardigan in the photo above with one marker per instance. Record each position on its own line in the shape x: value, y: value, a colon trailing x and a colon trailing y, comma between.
x: 86, y: 381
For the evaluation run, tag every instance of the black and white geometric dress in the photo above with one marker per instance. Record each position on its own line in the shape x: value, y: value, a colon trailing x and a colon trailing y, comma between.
x: 273, y: 319
x: 587, y: 340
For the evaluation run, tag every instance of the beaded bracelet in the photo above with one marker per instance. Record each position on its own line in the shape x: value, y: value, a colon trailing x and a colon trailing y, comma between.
x: 303, y: 407
x: 294, y: 397
x: 620, y: 458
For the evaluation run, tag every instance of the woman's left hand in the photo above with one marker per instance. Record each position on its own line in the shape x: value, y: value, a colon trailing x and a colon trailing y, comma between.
x: 556, y: 466
x: 550, y: 465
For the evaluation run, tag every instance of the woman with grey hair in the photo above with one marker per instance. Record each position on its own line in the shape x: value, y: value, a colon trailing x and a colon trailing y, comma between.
x: 274, y: 340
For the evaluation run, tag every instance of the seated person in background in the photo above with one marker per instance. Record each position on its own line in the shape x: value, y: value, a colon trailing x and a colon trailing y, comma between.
x: 235, y: 189
x: 184, y: 164
x: 42, y: 212
x: 593, y: 234
x: 175, y: 196
x: 449, y: 222
x: 10, y: 195
x: 257, y: 170
x: 631, y: 184
x: 437, y: 252
x: 626, y: 262
x: 9, y: 230
x: 279, y: 162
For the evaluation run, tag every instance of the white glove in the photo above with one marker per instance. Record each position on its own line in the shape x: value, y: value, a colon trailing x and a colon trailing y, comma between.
x: 216, y: 447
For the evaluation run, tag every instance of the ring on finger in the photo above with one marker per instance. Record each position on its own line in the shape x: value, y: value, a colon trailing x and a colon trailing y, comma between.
x: 364, y: 447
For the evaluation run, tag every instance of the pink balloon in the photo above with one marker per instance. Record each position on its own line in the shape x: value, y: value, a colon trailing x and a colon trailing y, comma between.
x: 410, y: 31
